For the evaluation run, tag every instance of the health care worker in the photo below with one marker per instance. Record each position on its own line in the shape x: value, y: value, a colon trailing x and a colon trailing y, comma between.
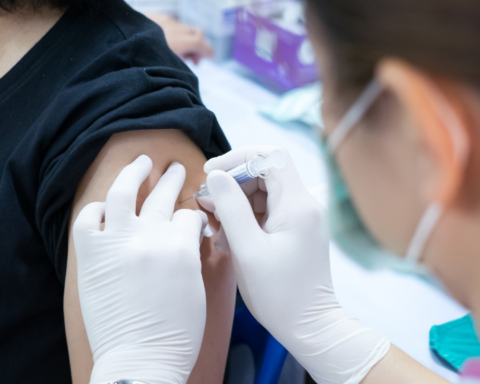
x: 402, y: 125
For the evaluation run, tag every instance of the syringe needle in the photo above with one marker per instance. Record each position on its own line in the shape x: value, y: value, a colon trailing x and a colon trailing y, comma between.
x: 185, y: 200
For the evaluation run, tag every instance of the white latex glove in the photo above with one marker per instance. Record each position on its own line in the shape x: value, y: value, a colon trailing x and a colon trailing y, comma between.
x: 283, y: 269
x: 139, y: 280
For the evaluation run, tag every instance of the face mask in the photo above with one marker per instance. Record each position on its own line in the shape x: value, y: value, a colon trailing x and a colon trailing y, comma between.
x: 346, y: 227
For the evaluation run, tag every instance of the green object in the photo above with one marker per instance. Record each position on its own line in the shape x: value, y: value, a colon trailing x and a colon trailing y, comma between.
x: 350, y: 234
x: 347, y: 229
x: 455, y: 342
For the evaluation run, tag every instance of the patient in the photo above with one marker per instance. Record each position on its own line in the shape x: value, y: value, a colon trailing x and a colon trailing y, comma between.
x: 86, y: 87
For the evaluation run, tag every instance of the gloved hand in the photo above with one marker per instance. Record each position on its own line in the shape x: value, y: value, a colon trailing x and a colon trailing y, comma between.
x: 283, y: 269
x: 139, y: 280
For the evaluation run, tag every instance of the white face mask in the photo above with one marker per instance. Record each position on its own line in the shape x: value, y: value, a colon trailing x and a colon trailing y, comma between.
x: 346, y: 226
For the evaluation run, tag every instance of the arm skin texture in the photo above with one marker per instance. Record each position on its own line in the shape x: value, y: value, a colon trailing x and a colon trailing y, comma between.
x: 399, y: 368
x: 163, y: 147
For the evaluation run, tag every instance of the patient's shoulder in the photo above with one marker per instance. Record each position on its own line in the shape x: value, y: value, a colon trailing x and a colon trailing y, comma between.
x: 162, y: 146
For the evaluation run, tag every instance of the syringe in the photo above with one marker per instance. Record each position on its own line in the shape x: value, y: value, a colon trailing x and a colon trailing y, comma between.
x: 259, y: 166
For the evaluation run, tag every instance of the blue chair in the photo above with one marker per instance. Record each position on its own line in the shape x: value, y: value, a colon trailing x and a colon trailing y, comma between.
x: 268, y: 354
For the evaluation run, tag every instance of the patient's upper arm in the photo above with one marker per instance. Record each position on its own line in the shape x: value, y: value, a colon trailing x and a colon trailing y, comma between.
x: 163, y: 147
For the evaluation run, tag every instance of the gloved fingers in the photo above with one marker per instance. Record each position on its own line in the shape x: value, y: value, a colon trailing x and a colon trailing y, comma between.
x: 89, y: 218
x: 122, y: 196
x: 206, y: 203
x: 287, y: 176
x: 285, y: 179
x: 191, y: 223
x: 233, y: 209
x: 221, y: 243
x: 286, y: 191
x: 261, y: 185
x: 250, y: 188
x: 259, y: 201
x: 207, y: 231
x: 161, y: 202
x: 235, y: 158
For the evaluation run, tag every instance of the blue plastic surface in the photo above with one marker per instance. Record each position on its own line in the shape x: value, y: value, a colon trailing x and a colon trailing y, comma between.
x: 268, y: 354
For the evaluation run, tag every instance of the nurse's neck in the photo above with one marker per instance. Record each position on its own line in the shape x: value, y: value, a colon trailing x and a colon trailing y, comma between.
x: 20, y: 30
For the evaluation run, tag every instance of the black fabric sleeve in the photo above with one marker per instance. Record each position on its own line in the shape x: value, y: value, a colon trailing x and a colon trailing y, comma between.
x: 84, y: 116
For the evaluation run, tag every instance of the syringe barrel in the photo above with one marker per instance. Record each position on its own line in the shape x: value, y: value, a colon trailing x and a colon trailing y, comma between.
x: 243, y: 172
x: 259, y: 166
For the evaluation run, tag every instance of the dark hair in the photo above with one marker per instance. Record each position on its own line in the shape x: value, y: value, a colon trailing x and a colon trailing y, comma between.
x: 14, y: 5
x: 439, y: 36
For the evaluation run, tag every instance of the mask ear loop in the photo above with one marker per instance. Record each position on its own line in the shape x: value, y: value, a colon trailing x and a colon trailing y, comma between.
x: 354, y: 114
x: 424, y: 229
x: 435, y: 210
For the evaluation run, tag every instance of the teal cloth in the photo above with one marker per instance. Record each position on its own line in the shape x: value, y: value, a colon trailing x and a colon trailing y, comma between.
x: 455, y: 342
x: 300, y: 105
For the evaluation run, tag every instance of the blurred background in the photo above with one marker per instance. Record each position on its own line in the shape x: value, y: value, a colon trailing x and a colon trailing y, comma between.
x: 262, y: 83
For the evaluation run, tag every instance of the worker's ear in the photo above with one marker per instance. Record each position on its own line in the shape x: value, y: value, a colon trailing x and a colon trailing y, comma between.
x: 439, y: 131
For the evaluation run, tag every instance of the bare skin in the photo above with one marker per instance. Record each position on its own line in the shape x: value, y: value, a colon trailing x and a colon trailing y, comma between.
x: 186, y: 42
x: 398, y: 160
x: 19, y: 32
x: 163, y: 147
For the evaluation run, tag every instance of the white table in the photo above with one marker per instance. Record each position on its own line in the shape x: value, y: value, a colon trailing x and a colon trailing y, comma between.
x: 402, y: 307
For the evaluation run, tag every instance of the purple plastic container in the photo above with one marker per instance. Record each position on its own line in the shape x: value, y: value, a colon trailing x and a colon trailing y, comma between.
x: 271, y: 50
